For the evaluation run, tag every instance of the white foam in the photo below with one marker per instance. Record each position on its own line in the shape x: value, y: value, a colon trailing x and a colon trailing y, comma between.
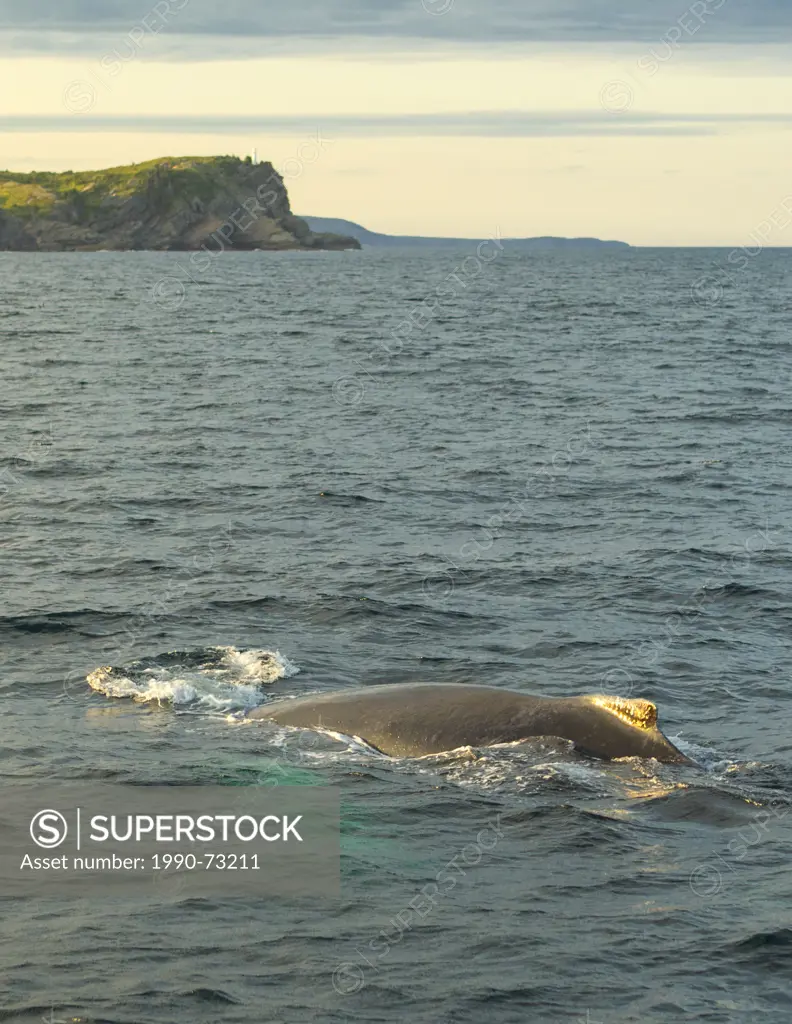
x: 232, y: 683
x: 267, y: 666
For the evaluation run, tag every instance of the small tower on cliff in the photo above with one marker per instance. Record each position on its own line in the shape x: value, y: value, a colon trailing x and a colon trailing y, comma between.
x: 255, y: 156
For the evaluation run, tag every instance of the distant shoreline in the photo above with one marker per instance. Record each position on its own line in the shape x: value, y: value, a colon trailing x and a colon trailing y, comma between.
x: 338, y: 226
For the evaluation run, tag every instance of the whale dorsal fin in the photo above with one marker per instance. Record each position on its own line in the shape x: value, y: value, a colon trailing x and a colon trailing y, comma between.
x: 640, y: 713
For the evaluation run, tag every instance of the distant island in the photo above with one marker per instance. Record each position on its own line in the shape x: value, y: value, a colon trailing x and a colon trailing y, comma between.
x: 173, y: 203
x: 366, y: 237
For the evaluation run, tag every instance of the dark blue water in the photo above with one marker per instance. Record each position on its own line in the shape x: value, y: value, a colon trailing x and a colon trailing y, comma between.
x: 571, y: 474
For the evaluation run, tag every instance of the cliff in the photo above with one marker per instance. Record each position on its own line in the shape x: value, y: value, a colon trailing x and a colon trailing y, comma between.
x: 172, y: 203
x: 367, y: 237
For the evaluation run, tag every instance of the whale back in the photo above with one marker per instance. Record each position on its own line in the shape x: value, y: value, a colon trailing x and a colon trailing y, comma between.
x: 411, y: 719
x: 416, y: 719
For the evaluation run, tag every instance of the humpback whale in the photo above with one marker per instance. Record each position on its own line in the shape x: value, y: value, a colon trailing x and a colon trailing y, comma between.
x: 415, y: 719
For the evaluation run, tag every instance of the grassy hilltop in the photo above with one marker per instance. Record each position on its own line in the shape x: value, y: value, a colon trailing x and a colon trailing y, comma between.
x: 167, y: 203
x: 37, y: 192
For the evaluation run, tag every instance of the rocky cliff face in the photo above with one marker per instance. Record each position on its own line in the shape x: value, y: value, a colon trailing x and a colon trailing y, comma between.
x: 170, y: 204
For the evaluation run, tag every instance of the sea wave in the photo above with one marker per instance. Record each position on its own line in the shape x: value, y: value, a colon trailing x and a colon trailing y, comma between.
x: 218, y: 678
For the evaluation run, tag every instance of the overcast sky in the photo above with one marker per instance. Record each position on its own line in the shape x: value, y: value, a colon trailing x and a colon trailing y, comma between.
x: 654, y: 121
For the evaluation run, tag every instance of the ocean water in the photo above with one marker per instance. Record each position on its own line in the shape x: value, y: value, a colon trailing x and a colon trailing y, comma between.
x: 563, y: 473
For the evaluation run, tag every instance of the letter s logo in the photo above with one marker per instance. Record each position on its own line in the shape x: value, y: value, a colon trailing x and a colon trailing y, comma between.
x: 48, y: 829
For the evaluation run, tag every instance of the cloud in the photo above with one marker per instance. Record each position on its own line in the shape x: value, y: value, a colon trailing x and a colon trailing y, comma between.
x: 493, y: 124
x: 64, y: 25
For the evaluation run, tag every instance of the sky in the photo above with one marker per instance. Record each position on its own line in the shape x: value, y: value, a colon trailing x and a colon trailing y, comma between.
x: 651, y: 121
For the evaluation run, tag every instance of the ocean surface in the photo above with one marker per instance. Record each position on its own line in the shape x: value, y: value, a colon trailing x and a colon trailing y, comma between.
x: 287, y: 472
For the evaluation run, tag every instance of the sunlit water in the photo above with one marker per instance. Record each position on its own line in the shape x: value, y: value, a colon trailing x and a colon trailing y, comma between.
x: 573, y: 476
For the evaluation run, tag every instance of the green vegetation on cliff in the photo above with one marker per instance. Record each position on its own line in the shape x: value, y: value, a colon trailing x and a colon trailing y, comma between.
x: 38, y: 191
x: 167, y: 203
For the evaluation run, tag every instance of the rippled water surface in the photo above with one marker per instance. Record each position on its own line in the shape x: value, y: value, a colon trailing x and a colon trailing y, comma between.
x: 569, y: 474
